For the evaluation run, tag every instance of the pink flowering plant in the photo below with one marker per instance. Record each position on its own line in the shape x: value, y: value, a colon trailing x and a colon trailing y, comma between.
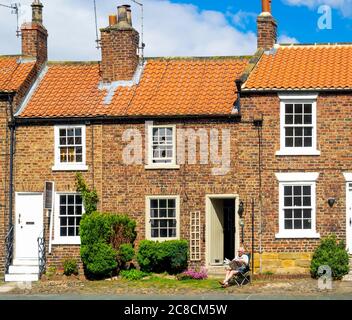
x: 191, y: 274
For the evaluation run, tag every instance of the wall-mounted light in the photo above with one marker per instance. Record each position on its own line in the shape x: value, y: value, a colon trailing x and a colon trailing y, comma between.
x: 241, y: 209
x: 331, y: 202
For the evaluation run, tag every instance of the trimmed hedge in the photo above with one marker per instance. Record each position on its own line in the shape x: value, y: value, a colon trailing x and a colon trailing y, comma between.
x: 103, y: 240
x: 167, y: 256
x: 333, y: 254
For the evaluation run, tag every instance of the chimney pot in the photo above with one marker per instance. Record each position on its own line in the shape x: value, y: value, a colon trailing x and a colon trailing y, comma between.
x: 37, y: 12
x: 266, y: 6
x: 122, y: 19
x: 112, y: 20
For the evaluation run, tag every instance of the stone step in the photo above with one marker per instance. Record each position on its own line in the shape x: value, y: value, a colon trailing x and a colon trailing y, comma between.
x: 25, y: 262
x: 21, y: 277
x: 17, y: 269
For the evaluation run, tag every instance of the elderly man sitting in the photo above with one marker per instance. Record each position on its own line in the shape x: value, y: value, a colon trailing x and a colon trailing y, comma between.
x: 239, y: 264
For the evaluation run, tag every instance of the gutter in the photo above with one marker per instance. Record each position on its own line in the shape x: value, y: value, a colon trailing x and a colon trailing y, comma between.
x: 125, y: 119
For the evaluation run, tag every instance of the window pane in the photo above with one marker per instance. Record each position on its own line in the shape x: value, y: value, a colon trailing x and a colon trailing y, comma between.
x: 307, y: 224
x: 62, y: 199
x: 288, y: 202
x: 171, y: 203
x: 78, y: 132
x: 154, y: 213
x: 63, y: 210
x: 298, y: 108
x: 63, y: 222
x: 308, y: 132
x: 172, y: 233
x: 171, y: 213
x: 307, y: 119
x: 288, y: 190
x: 78, y: 199
x: 162, y: 203
x: 306, y: 201
x: 306, y: 190
x: 297, y: 224
x: 154, y: 203
x: 298, y: 119
x: 289, y: 119
x: 298, y: 142
x: 71, y: 231
x: 307, y: 108
x: 78, y: 210
x: 299, y: 132
x: 155, y: 233
x: 297, y: 190
x: 63, y: 232
x: 163, y: 233
x: 308, y: 142
x: 288, y: 214
x: 297, y: 201
x: 162, y: 213
x: 62, y: 132
x: 307, y: 213
x: 288, y: 224
x: 297, y: 213
x: 289, y: 142
x: 70, y: 132
x: 289, y: 132
x: 289, y: 108
x: 154, y: 223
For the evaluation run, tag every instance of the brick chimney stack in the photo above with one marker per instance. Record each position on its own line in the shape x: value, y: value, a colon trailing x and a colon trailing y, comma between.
x: 119, y: 44
x: 35, y: 36
x: 267, y: 27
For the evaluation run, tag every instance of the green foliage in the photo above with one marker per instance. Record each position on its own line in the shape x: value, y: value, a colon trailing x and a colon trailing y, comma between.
x: 70, y: 267
x: 102, y: 236
x: 125, y: 254
x: 333, y: 254
x: 169, y: 256
x: 133, y: 274
x: 51, y: 271
x: 90, y: 198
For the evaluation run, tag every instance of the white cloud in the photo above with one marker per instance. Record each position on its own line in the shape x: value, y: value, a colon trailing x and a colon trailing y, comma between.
x: 286, y: 39
x: 345, y: 6
x: 242, y: 18
x: 170, y: 29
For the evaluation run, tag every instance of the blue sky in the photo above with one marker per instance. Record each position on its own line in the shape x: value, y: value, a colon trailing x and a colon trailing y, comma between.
x: 298, y: 21
x: 178, y: 27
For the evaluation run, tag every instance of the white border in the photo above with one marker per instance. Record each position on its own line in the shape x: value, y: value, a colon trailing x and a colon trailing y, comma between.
x: 296, y: 151
x: 147, y: 217
x: 58, y: 166
x: 297, y: 178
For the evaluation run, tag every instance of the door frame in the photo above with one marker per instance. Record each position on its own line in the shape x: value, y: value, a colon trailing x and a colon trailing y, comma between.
x: 208, y: 204
x: 17, y: 194
x: 348, y: 178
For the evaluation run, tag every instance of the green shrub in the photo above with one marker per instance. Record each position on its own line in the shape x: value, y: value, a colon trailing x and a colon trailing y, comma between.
x: 133, y: 274
x: 102, y: 236
x: 51, y: 271
x: 90, y: 197
x: 169, y: 256
x: 125, y: 254
x: 333, y: 254
x: 70, y: 267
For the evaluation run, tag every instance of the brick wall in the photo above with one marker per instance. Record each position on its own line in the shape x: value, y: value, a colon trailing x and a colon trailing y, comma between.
x: 267, y: 32
x: 122, y: 189
x: 119, y: 53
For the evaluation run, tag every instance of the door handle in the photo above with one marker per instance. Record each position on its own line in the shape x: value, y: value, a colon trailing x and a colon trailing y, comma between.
x: 19, y: 219
x: 350, y: 222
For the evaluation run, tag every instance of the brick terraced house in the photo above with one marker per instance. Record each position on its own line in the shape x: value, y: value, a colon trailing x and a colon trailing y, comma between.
x: 217, y: 150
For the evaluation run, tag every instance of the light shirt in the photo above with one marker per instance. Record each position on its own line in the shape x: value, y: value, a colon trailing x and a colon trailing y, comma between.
x: 244, y: 258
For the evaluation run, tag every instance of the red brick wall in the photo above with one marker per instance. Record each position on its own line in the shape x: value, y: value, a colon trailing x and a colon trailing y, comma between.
x: 267, y: 32
x: 119, y: 54
x: 122, y: 189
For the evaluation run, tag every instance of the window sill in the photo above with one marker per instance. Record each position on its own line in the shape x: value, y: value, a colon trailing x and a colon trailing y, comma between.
x: 299, y: 152
x: 67, y: 242
x: 79, y: 167
x: 297, y: 235
x: 163, y: 239
x: 161, y: 167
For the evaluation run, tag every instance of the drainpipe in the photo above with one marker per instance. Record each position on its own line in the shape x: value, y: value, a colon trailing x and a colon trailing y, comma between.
x: 12, y: 126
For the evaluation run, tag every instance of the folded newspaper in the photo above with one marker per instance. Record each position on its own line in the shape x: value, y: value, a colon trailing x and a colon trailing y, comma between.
x: 227, y: 261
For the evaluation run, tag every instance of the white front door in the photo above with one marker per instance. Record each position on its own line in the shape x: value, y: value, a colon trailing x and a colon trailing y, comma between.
x: 29, y: 224
x: 349, y: 218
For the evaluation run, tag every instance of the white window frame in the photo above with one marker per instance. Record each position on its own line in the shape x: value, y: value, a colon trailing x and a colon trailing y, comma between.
x: 58, y: 239
x: 149, y: 142
x: 298, y: 151
x: 58, y: 165
x: 148, y: 218
x: 297, y: 178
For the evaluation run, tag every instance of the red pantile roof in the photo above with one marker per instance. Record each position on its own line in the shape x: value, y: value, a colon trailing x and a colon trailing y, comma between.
x: 13, y: 73
x: 305, y: 67
x: 204, y: 86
